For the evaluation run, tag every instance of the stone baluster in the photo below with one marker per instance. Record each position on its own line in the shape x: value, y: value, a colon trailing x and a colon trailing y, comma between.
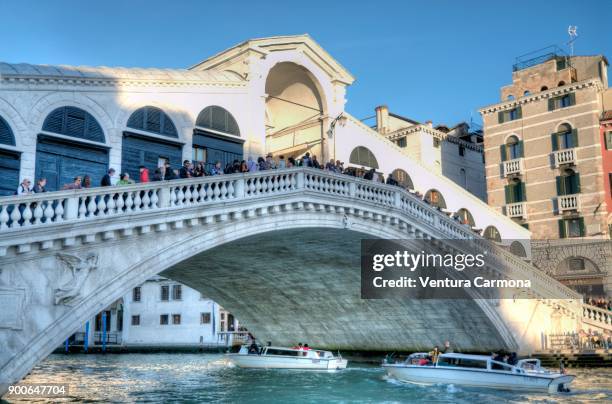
x: 38, y: 213
x: 129, y: 202
x: 223, y: 193
x: 239, y: 188
x: 137, y: 201
x: 59, y: 210
x: 111, y: 205
x: 101, y: 205
x: 4, y: 217
x: 146, y: 200
x: 15, y: 216
x: 27, y: 215
x: 91, y: 207
x: 154, y: 198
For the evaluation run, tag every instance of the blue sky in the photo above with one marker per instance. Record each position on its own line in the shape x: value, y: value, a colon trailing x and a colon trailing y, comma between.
x: 437, y: 59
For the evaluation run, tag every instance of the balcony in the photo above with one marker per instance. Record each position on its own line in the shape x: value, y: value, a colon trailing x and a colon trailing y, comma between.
x: 515, y: 166
x: 569, y: 203
x: 565, y: 156
x: 516, y: 210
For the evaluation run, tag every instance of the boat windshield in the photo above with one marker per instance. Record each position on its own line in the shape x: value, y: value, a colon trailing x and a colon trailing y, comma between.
x: 285, y: 352
x: 462, y: 362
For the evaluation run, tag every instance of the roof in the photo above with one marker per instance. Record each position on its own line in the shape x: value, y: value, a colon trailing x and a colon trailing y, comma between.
x: 116, y: 73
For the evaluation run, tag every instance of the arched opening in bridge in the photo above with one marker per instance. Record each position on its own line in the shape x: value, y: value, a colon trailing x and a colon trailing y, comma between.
x: 402, y: 178
x: 435, y: 198
x: 465, y: 217
x: 9, y: 160
x: 518, y: 249
x: 491, y: 233
x: 295, y: 105
x: 79, y: 150
x: 150, y: 140
x: 582, y: 275
x: 216, y: 138
x: 362, y: 157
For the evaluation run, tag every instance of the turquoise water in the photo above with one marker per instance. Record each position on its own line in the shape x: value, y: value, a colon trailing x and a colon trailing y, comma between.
x: 207, y: 378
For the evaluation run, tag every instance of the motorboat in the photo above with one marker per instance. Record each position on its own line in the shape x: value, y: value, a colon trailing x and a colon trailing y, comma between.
x: 478, y: 371
x: 273, y: 357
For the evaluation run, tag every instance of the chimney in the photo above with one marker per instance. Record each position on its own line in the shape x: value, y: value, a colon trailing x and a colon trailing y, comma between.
x: 382, y: 119
x: 429, y: 124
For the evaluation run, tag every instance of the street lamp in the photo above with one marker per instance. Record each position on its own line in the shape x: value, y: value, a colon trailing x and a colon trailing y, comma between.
x: 340, y: 120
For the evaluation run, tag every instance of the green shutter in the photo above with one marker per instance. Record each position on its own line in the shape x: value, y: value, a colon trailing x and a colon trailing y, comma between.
x: 562, y: 233
x: 523, y: 192
x: 576, y: 179
x: 508, y: 194
x: 581, y: 225
x: 521, y: 149
x: 502, y: 152
x: 500, y: 116
x: 551, y: 104
x: 608, y: 140
x: 525, y: 225
x: 572, y: 98
x: 560, y: 186
x: 519, y: 112
x: 575, y: 137
x: 555, y: 141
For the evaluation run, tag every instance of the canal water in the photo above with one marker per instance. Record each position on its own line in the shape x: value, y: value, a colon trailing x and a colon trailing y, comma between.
x: 200, y: 378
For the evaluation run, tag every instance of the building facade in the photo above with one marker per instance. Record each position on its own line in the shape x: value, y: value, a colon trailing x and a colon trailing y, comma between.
x: 547, y: 165
x: 160, y: 313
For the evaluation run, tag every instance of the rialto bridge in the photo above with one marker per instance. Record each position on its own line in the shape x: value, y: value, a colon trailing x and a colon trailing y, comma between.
x: 279, y: 249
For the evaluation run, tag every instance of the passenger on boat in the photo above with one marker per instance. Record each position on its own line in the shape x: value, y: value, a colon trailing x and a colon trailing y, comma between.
x: 513, y: 359
x: 424, y: 362
x: 434, y: 354
x: 253, y: 349
x: 447, y: 347
x: 306, y: 347
x: 298, y: 346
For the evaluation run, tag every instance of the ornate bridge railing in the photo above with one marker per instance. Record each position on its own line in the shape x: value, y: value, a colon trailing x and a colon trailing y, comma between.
x: 19, y: 214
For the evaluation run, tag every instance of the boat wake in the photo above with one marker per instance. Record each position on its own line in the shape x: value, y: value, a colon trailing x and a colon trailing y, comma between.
x: 222, y: 363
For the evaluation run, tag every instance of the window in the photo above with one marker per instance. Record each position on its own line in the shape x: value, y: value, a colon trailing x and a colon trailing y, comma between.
x: 513, y: 149
x: 163, y: 319
x: 576, y: 264
x: 435, y: 198
x: 491, y: 233
x: 401, y: 142
x: 177, y: 292
x: 198, y: 153
x: 510, y: 115
x: 204, y: 318
x: 510, y: 97
x: 562, y: 63
x: 176, y: 319
x: 608, y: 140
x: 136, y: 320
x: 402, y: 178
x: 515, y: 191
x: 518, y: 249
x: 362, y: 156
x: 610, y: 182
x: 573, y: 227
x: 461, y: 150
x: 74, y: 122
x: 465, y: 217
x: 6, y: 133
x: 219, y: 119
x: 543, y: 88
x: 568, y: 183
x: 136, y: 294
x: 563, y: 101
x: 564, y: 138
x: 165, y: 293
x: 436, y: 142
x: 527, y: 92
x: 154, y: 120
x: 561, y: 83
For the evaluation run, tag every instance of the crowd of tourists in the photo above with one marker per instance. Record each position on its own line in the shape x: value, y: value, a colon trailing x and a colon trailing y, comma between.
x: 600, y: 302
x: 589, y: 339
x: 200, y: 169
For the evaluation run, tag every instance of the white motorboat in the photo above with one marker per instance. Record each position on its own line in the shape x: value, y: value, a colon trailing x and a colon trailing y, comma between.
x: 478, y: 371
x: 272, y: 357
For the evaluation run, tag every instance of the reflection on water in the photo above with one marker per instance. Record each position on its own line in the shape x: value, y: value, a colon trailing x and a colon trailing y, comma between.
x: 207, y: 377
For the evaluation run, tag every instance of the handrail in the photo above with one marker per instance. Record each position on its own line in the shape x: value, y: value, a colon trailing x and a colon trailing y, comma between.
x: 85, y: 205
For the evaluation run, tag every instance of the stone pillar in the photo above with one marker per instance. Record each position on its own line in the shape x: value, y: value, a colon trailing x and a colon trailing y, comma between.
x: 71, y: 210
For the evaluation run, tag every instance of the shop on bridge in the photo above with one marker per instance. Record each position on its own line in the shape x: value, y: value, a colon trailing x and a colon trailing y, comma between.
x: 9, y: 160
x: 150, y: 140
x: 216, y: 137
x: 71, y: 143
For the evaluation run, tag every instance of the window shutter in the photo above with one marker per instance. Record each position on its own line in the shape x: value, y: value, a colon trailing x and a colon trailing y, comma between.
x: 581, y: 225
x: 562, y: 233
x: 521, y: 149
x: 555, y: 141
x: 519, y: 112
x: 551, y: 104
x: 572, y: 99
x: 576, y: 179
x: 502, y: 152
x: 523, y: 192
x: 560, y: 186
x: 508, y: 194
x: 608, y: 140
x: 575, y: 137
x: 500, y: 116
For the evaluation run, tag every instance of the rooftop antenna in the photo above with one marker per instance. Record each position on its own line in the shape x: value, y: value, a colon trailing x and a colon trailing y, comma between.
x: 572, y: 31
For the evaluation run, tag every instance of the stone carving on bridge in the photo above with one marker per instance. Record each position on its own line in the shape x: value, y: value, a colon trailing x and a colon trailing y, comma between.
x: 346, y: 222
x: 79, y: 269
x: 12, y: 301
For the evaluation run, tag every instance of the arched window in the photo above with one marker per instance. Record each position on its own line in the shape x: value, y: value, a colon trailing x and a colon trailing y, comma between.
x: 513, y: 148
x: 219, y: 119
x: 154, y: 120
x: 510, y: 97
x: 527, y: 92
x: 543, y: 88
x: 6, y: 134
x: 402, y: 178
x: 515, y: 191
x: 465, y: 217
x: 568, y: 183
x: 435, y: 198
x: 517, y: 249
x: 561, y: 83
x: 565, y: 138
x: 362, y: 156
x: 74, y: 122
x: 491, y: 233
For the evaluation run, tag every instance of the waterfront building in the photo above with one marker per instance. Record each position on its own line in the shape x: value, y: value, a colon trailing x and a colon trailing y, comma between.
x: 454, y: 152
x: 160, y: 314
x: 548, y: 164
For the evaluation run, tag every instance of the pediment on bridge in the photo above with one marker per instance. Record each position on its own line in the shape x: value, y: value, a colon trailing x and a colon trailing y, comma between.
x: 237, y: 58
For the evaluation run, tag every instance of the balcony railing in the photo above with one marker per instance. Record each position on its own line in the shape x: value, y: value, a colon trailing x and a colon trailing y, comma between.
x: 566, y: 156
x: 516, y: 210
x: 515, y: 166
x: 569, y: 203
x: 597, y: 316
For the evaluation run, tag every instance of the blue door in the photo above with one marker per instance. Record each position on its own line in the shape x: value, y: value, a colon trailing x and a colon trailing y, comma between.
x: 59, y: 161
x: 9, y: 172
x: 138, y: 150
x: 221, y: 148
